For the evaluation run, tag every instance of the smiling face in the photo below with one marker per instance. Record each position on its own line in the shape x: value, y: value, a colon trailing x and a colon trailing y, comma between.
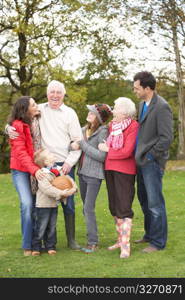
x: 140, y: 91
x: 55, y: 96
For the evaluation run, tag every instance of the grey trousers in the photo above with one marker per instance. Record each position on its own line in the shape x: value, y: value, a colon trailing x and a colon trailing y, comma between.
x: 89, y: 188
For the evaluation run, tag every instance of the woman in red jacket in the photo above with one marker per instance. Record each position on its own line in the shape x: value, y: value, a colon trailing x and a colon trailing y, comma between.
x: 120, y: 170
x: 22, y: 165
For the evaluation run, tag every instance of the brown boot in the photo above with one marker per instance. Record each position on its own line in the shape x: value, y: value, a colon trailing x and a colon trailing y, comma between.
x: 125, y: 237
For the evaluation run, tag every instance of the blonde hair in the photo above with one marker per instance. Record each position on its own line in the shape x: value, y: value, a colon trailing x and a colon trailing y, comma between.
x: 40, y: 157
x: 127, y: 106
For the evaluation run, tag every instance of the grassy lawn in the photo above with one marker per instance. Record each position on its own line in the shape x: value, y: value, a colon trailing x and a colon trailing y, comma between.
x: 101, y: 264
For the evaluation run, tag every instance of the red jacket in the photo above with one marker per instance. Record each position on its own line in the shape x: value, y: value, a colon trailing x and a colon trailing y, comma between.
x: 122, y: 160
x: 21, y: 155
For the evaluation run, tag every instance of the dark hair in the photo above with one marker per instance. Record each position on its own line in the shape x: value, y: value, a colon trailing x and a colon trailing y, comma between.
x: 20, y: 110
x: 146, y: 79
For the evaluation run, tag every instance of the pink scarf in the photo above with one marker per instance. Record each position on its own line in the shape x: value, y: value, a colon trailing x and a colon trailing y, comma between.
x: 115, y: 138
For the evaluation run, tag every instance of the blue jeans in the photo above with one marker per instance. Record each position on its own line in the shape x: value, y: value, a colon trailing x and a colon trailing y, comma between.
x: 21, y: 182
x: 69, y: 207
x: 45, y: 228
x: 149, y: 189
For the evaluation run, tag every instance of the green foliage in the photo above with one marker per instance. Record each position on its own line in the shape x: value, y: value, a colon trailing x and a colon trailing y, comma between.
x: 77, y: 100
x: 67, y: 263
x: 6, y: 98
x: 108, y: 90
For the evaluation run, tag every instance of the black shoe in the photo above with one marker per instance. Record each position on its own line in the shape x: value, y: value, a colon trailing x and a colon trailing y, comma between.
x: 150, y: 249
x: 141, y: 241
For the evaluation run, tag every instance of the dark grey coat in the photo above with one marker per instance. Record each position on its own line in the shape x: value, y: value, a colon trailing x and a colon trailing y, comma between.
x: 93, y: 161
x: 155, y: 132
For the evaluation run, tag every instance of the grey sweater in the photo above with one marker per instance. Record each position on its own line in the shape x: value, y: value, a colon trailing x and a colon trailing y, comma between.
x: 93, y: 159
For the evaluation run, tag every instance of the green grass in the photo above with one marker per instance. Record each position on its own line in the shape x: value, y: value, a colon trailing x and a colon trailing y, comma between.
x: 101, y: 264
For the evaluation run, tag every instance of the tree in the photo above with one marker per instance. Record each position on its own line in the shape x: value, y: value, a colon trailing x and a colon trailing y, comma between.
x: 106, y: 41
x: 167, y: 20
x: 34, y: 33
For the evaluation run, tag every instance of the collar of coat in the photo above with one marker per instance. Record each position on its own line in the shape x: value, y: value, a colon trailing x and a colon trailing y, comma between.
x: 150, y: 107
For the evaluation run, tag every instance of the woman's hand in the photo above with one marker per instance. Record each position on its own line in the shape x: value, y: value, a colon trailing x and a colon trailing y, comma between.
x: 103, y: 147
x: 39, y: 174
x: 75, y: 146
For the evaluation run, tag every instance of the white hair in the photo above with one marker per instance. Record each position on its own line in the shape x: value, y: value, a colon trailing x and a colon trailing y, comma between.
x: 126, y: 105
x: 56, y: 83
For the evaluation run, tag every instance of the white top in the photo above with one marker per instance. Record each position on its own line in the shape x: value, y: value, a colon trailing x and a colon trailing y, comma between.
x: 58, y: 128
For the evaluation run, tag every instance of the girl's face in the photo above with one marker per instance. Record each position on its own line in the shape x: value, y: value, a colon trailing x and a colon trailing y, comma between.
x: 32, y: 108
x: 91, y: 117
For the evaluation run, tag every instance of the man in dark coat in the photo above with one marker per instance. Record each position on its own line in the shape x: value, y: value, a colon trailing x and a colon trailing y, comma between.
x: 154, y: 138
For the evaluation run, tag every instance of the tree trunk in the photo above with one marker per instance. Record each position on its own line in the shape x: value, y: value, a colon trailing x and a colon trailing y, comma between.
x: 181, y: 98
x: 22, y: 69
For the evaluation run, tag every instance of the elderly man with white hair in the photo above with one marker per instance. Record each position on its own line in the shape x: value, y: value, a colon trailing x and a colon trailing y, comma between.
x: 120, y: 170
x: 59, y: 126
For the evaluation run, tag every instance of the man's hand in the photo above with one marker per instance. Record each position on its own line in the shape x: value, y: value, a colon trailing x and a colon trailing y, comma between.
x: 66, y: 168
x: 11, y: 131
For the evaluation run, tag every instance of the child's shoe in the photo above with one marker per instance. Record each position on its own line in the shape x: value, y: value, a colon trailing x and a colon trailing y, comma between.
x: 35, y: 253
x: 90, y: 248
x: 27, y: 252
x: 52, y: 252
